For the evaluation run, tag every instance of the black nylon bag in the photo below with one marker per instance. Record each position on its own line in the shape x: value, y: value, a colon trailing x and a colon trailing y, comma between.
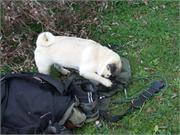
x: 29, y: 101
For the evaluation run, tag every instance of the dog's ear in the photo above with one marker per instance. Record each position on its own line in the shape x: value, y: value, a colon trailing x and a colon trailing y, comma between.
x: 111, y: 67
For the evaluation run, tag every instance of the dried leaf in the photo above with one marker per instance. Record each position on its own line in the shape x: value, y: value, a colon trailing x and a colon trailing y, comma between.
x: 151, y: 110
x: 174, y: 95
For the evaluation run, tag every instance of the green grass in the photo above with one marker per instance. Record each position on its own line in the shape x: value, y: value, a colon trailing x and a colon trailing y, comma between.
x: 148, y: 35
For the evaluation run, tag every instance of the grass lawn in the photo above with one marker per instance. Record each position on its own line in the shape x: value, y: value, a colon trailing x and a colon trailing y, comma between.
x: 148, y: 35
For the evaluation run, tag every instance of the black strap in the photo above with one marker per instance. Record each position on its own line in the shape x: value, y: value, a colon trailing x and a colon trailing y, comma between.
x: 137, y: 103
x: 57, y: 84
x: 155, y: 87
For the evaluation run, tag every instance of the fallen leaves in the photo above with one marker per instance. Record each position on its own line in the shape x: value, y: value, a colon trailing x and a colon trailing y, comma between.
x: 22, y: 21
x: 175, y: 94
x: 151, y: 110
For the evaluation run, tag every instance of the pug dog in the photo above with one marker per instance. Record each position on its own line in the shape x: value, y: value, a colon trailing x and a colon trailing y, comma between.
x: 93, y: 61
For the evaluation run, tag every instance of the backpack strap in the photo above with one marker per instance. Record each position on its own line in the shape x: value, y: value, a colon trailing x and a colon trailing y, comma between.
x: 56, y: 83
x: 137, y: 103
x: 38, y: 76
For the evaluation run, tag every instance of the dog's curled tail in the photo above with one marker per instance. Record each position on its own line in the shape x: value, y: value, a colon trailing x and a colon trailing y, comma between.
x: 45, y: 39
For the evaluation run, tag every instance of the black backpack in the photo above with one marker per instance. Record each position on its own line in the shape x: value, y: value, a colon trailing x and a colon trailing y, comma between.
x: 37, y: 103
x: 30, y: 102
x: 33, y: 102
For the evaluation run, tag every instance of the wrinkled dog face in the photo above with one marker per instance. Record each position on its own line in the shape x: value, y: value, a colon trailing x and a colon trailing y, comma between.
x: 107, y: 72
x: 112, y: 69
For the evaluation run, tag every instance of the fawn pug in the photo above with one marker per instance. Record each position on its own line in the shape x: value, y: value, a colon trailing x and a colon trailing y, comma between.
x: 93, y: 61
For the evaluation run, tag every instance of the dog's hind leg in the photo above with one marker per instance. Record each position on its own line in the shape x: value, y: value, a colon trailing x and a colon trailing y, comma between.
x: 42, y: 64
x: 43, y: 69
x: 61, y: 69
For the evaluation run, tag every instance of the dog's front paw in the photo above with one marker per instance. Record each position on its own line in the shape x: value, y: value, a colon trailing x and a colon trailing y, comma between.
x: 107, y: 83
x: 65, y: 72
